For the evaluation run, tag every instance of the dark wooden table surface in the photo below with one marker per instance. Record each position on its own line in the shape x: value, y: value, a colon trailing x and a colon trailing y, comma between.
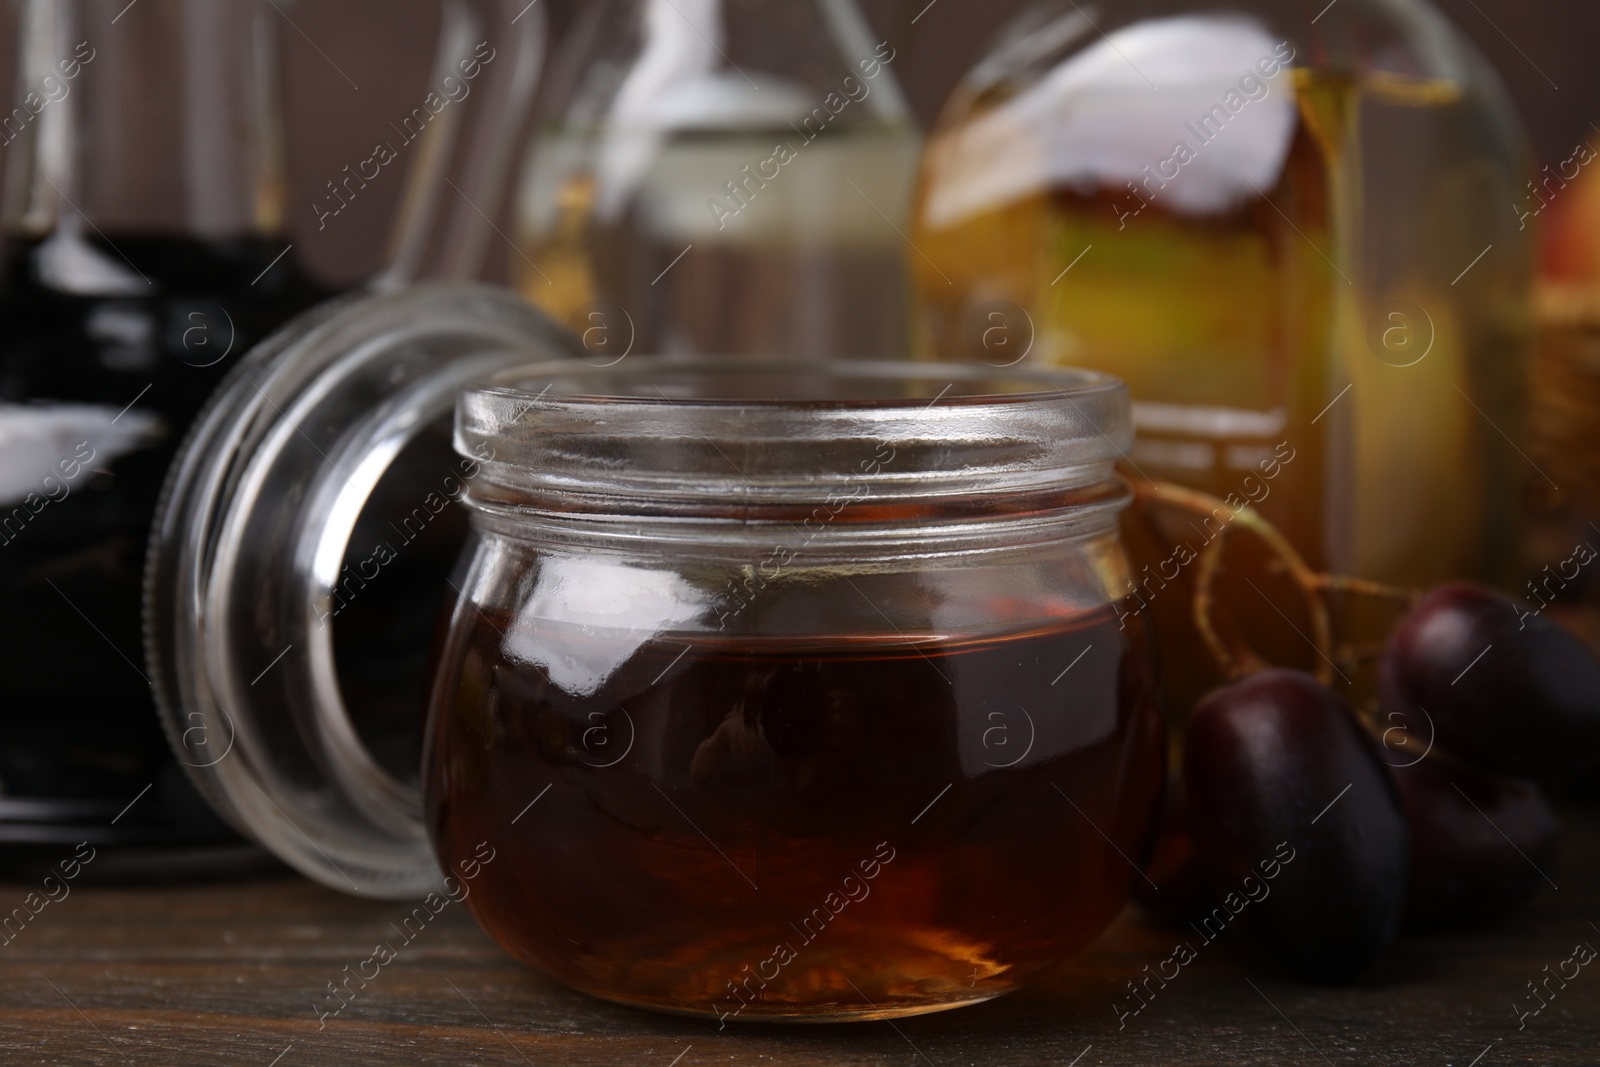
x: 230, y: 974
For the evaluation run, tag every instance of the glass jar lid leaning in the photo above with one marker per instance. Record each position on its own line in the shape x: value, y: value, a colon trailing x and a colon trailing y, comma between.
x: 800, y: 667
x: 293, y: 700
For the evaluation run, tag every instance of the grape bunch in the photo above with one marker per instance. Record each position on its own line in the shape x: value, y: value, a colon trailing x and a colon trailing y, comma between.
x: 1447, y: 828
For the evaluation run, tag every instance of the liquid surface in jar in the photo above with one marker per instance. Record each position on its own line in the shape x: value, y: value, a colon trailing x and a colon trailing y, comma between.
x: 823, y: 827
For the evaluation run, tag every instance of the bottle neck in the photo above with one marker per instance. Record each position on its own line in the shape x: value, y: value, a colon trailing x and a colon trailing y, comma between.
x: 158, y: 120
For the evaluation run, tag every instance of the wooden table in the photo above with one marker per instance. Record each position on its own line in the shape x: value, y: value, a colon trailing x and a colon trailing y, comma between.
x: 228, y: 974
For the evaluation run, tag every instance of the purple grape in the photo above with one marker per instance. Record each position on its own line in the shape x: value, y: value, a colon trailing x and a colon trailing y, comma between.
x: 1478, y: 844
x: 1297, y: 822
x: 1508, y: 691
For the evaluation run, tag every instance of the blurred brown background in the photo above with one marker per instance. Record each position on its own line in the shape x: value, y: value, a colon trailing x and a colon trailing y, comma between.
x: 1542, y: 48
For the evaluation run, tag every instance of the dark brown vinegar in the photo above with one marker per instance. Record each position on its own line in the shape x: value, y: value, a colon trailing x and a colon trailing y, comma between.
x: 820, y: 827
x: 97, y: 390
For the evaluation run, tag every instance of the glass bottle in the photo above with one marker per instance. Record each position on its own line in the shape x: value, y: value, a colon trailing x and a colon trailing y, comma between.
x: 1286, y: 225
x: 721, y: 176
x: 145, y: 253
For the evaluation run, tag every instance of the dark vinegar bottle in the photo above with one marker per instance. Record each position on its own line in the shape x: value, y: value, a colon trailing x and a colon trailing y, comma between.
x: 143, y: 257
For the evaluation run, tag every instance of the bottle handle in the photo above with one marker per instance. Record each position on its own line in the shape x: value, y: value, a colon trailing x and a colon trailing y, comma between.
x: 490, y: 53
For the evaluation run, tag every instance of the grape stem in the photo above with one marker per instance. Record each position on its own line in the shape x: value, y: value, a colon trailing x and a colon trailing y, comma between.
x: 1365, y: 587
x: 1234, y: 657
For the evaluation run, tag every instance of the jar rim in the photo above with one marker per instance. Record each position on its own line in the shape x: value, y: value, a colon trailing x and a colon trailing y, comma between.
x: 535, y: 382
x: 739, y: 433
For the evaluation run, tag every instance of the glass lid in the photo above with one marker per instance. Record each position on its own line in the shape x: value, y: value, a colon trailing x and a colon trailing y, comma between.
x: 297, y: 562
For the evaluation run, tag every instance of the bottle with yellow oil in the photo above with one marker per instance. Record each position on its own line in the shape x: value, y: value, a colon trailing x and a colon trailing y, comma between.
x: 1291, y: 228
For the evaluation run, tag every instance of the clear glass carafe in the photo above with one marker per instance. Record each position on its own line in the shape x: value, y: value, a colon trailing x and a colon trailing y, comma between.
x: 722, y: 177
